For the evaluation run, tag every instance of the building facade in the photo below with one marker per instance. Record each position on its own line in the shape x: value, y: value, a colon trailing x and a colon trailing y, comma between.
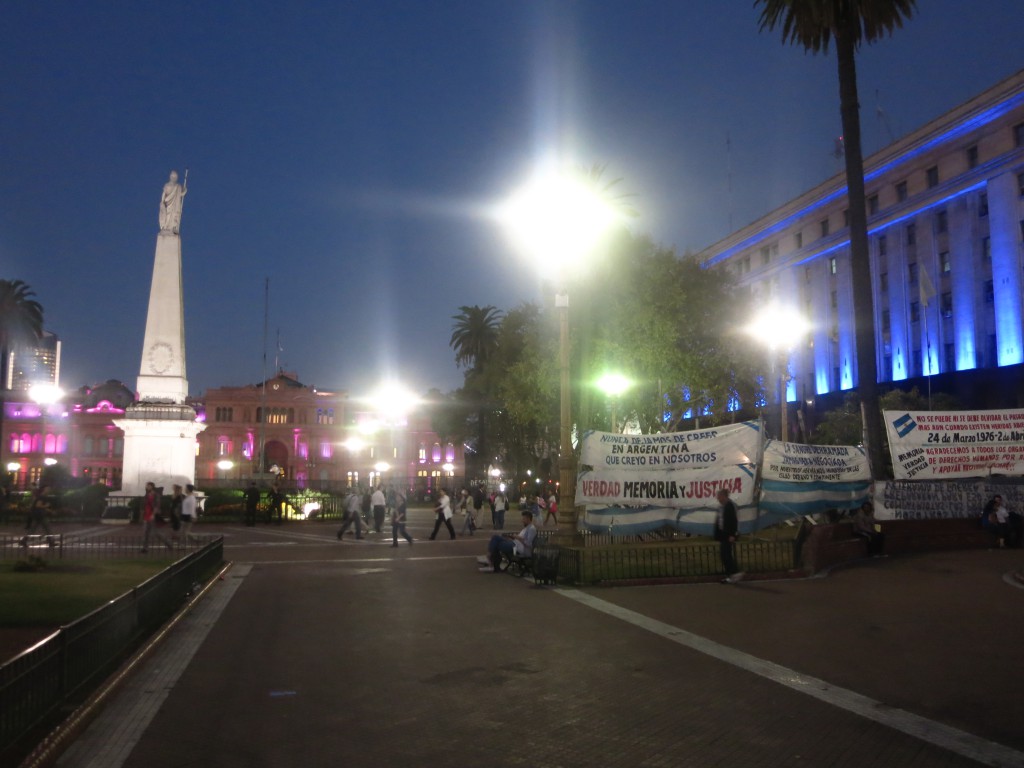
x: 317, y: 439
x: 76, y: 432
x: 39, y: 364
x: 945, y: 211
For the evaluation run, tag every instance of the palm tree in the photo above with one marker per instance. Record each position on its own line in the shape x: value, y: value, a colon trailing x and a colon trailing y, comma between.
x: 475, y: 336
x: 813, y: 24
x: 475, y: 341
x: 21, y: 319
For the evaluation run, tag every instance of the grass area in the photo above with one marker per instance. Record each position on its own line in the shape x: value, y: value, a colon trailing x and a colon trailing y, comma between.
x: 59, y: 593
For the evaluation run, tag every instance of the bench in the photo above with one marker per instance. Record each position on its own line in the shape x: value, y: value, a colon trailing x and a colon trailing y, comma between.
x: 517, y: 565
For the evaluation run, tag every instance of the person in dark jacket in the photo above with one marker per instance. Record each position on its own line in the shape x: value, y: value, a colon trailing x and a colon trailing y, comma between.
x: 726, y: 528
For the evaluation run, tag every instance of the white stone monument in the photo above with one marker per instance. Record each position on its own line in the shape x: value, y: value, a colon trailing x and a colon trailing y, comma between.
x: 160, y: 429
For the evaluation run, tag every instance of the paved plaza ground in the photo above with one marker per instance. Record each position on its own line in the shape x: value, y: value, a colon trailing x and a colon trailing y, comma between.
x: 315, y: 652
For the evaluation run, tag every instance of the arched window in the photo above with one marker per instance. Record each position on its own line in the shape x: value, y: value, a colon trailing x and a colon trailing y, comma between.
x: 26, y: 442
x: 87, y: 446
x: 223, y: 446
x: 436, y: 453
x: 37, y: 443
x: 423, y: 453
x: 62, y: 444
x: 449, y: 453
x: 15, y: 444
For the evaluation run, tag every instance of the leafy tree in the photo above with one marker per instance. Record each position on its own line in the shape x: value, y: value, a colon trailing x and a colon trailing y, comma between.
x: 814, y: 24
x: 21, y: 319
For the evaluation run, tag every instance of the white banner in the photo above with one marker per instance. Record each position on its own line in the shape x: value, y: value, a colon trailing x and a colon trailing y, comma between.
x: 716, y: 446
x: 903, y: 500
x: 927, y: 445
x: 796, y: 462
x: 692, y: 488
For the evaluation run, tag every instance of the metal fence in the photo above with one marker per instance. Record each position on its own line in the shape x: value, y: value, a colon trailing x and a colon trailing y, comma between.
x: 94, y: 546
x: 65, y: 667
x: 630, y: 561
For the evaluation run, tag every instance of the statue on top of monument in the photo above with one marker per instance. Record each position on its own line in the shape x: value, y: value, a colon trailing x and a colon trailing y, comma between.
x: 171, y: 201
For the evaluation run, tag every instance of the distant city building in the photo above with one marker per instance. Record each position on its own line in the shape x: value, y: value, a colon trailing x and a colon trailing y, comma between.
x: 945, y: 211
x: 40, y: 364
x: 312, y: 439
x: 76, y: 432
x: 316, y: 439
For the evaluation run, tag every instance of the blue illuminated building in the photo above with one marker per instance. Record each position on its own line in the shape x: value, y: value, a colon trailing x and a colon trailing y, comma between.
x: 946, y: 229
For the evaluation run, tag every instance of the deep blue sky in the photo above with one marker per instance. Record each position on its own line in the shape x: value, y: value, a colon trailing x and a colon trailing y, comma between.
x: 344, y: 150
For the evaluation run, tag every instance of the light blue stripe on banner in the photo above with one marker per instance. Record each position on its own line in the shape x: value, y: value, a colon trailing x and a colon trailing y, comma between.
x: 816, y: 486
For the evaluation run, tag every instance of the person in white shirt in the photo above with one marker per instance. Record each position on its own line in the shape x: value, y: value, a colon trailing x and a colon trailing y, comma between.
x: 378, y: 503
x: 189, y: 512
x: 352, y: 516
x: 444, y: 515
x: 520, y: 545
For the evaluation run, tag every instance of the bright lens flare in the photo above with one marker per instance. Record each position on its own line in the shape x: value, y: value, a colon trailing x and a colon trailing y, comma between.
x: 558, y: 219
x: 779, y: 327
x: 613, y: 384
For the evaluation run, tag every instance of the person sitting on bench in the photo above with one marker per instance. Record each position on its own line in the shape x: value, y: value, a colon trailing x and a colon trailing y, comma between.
x: 520, y: 545
x: 866, y: 527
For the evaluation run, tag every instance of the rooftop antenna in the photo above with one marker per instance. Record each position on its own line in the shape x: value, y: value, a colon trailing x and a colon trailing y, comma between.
x: 883, y: 118
x: 728, y: 161
x: 839, y: 152
x: 263, y: 394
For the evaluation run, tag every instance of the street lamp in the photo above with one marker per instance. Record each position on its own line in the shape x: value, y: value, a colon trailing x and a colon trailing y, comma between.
x: 225, y: 466
x: 779, y: 328
x: 44, y: 395
x: 558, y: 219
x: 613, y: 385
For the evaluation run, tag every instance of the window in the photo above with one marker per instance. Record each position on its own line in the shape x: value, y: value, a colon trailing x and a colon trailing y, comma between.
x: 765, y: 256
x: 886, y: 321
x: 989, y: 292
x: 972, y: 156
x: 87, y: 446
x: 883, y: 282
x: 824, y: 227
x: 873, y: 205
x: 911, y: 233
x: 807, y: 274
x: 901, y: 191
x: 915, y: 311
x: 846, y: 217
x: 912, y: 272
x: 799, y: 238
x: 986, y: 248
x: 832, y: 266
x: 983, y: 205
x: 1020, y: 184
x: 941, y: 222
x: 1018, y: 135
x: 947, y: 304
x: 833, y: 300
x: 945, y: 263
x: 223, y: 446
x: 932, y: 176
x: 883, y: 246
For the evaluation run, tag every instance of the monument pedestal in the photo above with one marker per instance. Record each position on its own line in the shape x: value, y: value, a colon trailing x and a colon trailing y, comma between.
x: 160, y: 446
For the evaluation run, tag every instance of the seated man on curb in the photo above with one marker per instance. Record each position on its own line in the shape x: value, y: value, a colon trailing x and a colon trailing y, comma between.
x: 520, y: 545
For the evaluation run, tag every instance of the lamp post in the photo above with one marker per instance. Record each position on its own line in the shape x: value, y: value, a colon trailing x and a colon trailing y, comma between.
x: 558, y: 218
x: 779, y: 328
x: 225, y: 466
x: 613, y: 385
x: 44, y: 395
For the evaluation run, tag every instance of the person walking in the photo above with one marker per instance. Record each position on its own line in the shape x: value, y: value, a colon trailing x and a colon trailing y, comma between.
x: 398, y: 516
x: 189, y: 513
x: 469, y: 515
x: 500, y: 505
x: 444, y: 515
x: 726, y: 528
x: 252, y: 503
x: 177, y: 499
x: 378, y: 503
x: 150, y: 507
x: 552, y: 510
x: 352, y: 516
x: 39, y: 510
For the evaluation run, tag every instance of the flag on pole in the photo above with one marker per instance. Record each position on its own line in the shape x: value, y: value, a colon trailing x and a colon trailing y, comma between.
x: 926, y: 287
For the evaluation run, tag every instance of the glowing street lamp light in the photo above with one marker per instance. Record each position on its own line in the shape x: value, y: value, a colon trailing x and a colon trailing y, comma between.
x: 44, y: 395
x: 558, y: 219
x: 780, y: 329
x: 613, y: 385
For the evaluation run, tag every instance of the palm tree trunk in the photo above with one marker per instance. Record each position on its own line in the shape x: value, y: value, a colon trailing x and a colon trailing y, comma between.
x: 860, y: 263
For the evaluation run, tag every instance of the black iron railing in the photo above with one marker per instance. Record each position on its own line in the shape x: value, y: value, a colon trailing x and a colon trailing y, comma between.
x: 65, y: 667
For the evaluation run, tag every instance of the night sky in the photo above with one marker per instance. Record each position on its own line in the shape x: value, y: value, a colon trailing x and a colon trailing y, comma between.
x: 348, y: 152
